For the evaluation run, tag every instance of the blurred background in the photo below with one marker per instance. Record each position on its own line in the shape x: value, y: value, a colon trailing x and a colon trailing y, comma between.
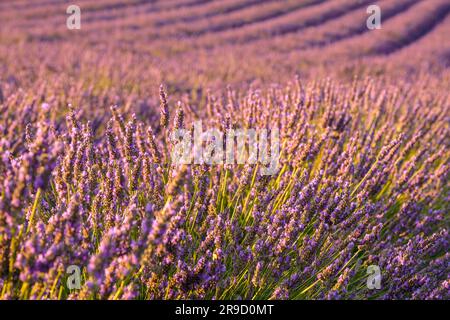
x: 191, y: 45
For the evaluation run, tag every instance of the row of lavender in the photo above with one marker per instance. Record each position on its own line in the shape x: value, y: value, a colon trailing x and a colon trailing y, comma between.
x: 363, y: 180
x: 219, y: 43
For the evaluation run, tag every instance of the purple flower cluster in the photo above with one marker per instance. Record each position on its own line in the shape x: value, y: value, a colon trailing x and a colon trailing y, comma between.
x: 363, y: 180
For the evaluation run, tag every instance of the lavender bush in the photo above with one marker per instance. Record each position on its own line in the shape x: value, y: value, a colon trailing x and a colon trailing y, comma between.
x: 363, y: 180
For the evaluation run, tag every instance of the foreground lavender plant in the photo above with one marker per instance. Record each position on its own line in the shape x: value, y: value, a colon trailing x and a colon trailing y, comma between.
x: 363, y: 180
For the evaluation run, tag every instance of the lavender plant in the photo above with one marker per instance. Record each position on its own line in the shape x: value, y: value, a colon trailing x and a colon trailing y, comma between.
x: 363, y: 180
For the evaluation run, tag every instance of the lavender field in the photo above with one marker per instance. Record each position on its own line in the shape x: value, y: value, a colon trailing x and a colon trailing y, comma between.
x: 94, y: 203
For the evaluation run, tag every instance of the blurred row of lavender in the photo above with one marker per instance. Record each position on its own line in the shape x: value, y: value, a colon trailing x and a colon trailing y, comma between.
x: 363, y: 180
